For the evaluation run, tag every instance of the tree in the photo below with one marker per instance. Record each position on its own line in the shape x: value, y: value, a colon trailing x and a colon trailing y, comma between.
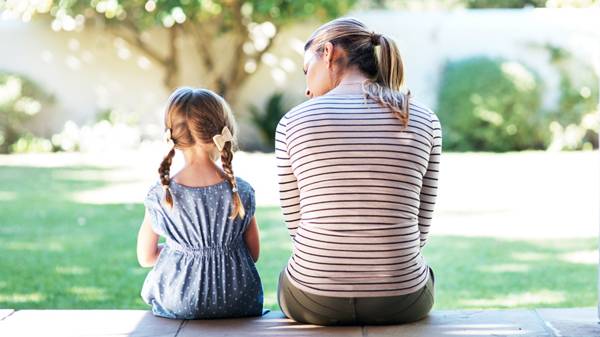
x: 249, y: 27
x: 504, y: 3
x: 477, y: 4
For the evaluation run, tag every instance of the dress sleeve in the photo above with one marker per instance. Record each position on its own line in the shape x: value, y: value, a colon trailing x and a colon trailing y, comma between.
x: 247, y: 195
x: 250, y: 205
x: 152, y: 202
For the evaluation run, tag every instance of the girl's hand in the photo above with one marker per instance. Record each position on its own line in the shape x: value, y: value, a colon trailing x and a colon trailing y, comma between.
x: 252, y: 238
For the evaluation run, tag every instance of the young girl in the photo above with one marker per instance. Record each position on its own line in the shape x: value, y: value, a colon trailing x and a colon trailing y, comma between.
x: 206, y: 267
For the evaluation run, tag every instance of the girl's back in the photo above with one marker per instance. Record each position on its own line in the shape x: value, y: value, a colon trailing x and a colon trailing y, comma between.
x: 205, y: 270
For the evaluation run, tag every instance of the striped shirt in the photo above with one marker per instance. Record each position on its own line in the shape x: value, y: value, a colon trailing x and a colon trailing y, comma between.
x: 357, y: 191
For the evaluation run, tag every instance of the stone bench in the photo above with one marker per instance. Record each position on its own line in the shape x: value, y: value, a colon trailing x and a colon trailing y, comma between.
x: 534, y: 322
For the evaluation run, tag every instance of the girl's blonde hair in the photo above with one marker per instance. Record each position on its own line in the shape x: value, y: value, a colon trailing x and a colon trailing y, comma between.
x: 195, y: 116
x: 383, y: 66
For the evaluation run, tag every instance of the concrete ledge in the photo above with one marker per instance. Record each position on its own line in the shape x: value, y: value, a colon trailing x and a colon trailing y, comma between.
x: 571, y: 322
x: 580, y: 322
x: 5, y: 313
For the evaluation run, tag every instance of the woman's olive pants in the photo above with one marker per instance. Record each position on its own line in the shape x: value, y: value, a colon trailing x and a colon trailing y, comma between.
x: 324, y: 310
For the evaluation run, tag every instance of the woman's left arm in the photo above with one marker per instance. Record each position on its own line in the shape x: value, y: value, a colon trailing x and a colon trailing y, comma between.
x: 429, y: 189
x: 148, y: 248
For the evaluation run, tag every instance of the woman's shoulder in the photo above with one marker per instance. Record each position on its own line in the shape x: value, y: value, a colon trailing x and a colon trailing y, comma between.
x: 423, y: 115
x: 298, y: 108
x: 315, y: 103
x: 421, y: 109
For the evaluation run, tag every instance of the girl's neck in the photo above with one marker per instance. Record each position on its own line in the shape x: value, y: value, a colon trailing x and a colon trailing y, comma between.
x: 199, y: 170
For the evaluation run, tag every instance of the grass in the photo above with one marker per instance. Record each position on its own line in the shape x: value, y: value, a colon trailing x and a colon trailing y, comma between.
x: 59, y: 253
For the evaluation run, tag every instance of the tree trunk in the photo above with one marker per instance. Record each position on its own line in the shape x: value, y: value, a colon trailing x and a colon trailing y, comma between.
x: 229, y: 82
x: 172, y: 62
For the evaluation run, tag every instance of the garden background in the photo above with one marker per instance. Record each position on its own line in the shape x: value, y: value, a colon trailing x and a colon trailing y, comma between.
x: 83, y: 84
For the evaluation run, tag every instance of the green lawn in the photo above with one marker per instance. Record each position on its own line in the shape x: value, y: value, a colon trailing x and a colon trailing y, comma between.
x: 58, y: 253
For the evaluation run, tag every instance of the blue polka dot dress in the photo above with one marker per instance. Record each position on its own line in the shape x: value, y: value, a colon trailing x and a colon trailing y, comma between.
x: 205, y: 269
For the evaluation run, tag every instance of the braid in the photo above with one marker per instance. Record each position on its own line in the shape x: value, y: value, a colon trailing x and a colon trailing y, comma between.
x: 163, y: 171
x: 226, y: 159
x: 395, y: 101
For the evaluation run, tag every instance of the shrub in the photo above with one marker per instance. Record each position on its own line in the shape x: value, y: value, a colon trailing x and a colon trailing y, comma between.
x: 20, y: 100
x: 97, y: 137
x: 29, y: 143
x: 489, y: 104
x: 266, y: 121
x: 575, y: 121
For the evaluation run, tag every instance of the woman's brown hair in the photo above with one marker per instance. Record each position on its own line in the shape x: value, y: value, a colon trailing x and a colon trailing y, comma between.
x: 195, y: 116
x: 383, y: 67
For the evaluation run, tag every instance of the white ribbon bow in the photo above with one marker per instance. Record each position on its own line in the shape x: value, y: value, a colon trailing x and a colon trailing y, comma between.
x: 223, y: 138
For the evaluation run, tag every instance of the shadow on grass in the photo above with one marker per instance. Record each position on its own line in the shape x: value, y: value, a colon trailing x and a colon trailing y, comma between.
x: 57, y: 253
x: 483, y: 273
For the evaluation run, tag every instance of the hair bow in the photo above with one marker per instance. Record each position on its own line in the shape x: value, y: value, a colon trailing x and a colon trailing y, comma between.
x: 223, y: 138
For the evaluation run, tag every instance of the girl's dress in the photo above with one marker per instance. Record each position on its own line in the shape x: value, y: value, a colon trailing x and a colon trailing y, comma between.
x: 205, y: 269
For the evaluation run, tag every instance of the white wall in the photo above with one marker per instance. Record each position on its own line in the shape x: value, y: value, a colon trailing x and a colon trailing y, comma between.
x: 427, y: 40
x: 89, y: 71
x: 83, y: 70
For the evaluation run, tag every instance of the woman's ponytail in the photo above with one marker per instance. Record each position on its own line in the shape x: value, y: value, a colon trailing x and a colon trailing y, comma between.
x: 390, y: 77
x: 391, y: 69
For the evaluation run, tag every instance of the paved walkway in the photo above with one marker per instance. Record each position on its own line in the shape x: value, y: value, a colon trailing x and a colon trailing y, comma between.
x: 580, y: 322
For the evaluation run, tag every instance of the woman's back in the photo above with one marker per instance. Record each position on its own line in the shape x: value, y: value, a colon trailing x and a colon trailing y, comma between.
x: 357, y: 192
x: 205, y: 269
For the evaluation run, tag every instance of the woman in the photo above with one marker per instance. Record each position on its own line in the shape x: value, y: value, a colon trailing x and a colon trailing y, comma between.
x: 358, y: 166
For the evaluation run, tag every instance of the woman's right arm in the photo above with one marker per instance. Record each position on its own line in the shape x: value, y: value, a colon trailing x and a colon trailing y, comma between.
x: 289, y: 195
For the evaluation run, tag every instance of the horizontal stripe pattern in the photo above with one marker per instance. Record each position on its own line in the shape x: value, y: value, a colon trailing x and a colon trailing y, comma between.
x: 357, y: 191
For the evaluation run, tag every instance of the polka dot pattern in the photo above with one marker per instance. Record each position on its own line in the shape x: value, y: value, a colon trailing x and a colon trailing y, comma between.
x: 205, y: 269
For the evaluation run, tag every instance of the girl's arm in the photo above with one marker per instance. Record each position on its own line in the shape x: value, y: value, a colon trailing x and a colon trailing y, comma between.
x: 252, y: 238
x: 148, y: 248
